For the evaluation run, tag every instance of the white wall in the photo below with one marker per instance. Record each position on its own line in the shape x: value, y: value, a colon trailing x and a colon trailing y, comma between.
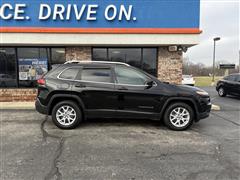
x: 51, y: 39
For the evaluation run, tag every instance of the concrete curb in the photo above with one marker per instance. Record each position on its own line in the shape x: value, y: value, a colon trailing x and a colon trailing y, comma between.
x: 216, y: 107
x: 17, y: 105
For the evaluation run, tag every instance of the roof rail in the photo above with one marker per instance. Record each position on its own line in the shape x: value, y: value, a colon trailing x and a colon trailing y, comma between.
x: 103, y: 62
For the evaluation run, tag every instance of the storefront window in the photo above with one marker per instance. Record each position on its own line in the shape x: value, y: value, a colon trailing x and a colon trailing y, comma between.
x: 131, y: 56
x: 8, y: 75
x: 150, y: 60
x: 22, y: 66
x: 100, y: 54
x: 58, y: 56
x: 143, y: 58
x: 32, y: 64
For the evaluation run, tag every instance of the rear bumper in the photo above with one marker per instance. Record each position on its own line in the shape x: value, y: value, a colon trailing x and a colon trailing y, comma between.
x: 41, y: 108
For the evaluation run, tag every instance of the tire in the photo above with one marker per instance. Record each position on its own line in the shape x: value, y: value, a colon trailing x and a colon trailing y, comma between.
x: 67, y: 115
x: 222, y: 92
x: 180, y: 122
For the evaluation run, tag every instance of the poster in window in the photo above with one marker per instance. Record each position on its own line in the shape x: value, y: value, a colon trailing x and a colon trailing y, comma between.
x: 32, y: 69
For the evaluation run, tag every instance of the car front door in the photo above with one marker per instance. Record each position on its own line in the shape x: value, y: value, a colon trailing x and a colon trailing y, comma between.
x: 95, y: 87
x: 136, y: 99
x: 230, y: 84
x: 237, y: 84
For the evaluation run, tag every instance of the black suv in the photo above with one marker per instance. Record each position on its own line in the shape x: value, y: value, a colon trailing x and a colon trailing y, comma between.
x: 229, y: 85
x: 73, y: 92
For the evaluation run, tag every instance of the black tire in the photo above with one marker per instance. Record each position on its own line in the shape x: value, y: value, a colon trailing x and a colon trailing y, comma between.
x: 221, y: 92
x: 169, y: 110
x: 73, y: 105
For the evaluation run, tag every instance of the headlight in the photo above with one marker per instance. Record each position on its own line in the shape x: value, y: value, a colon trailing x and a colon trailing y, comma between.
x: 202, y: 93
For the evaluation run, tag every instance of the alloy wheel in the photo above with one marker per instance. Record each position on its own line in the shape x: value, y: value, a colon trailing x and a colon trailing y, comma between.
x: 180, y: 117
x: 66, y: 115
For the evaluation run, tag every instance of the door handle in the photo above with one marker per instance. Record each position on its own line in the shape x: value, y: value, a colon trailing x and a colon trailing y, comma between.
x: 80, y: 86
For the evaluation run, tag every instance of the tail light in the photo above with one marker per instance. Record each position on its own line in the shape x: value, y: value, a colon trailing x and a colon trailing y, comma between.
x: 41, y: 81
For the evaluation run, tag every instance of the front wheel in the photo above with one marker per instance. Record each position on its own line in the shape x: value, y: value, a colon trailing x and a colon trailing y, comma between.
x: 178, y: 116
x: 222, y: 92
x: 66, y: 115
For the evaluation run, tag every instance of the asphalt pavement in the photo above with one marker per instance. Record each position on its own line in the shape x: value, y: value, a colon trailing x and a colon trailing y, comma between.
x: 33, y: 148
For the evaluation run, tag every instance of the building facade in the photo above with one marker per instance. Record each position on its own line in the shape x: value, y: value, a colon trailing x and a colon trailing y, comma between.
x: 151, y: 35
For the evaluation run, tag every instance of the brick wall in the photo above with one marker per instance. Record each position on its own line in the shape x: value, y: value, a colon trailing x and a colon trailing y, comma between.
x: 170, y: 65
x: 78, y: 53
x: 9, y: 95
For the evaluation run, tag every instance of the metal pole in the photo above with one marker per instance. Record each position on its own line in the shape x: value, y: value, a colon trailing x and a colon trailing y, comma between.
x: 239, y: 61
x: 213, y: 68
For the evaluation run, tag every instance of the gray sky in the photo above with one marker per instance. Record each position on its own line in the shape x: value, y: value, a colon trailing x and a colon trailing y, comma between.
x: 218, y: 18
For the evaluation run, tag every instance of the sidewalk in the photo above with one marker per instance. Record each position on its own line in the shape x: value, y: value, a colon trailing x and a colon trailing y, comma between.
x: 17, y: 105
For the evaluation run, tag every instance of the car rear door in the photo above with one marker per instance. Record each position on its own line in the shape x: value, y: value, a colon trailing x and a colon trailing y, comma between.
x: 95, y: 87
x: 135, y: 98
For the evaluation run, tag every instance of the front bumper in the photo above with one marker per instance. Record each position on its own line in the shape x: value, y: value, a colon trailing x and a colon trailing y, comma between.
x: 40, y: 107
x: 205, y: 113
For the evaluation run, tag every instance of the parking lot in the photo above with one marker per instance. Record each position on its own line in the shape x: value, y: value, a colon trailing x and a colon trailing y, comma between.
x: 33, y: 148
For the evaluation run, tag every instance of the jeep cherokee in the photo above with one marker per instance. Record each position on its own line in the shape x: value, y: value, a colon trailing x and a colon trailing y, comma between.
x: 75, y: 91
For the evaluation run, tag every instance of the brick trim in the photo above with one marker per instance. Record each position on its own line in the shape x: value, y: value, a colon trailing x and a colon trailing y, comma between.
x: 17, y: 95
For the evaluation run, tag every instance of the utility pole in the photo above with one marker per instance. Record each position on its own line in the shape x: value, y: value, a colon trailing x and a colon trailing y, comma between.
x: 214, y: 58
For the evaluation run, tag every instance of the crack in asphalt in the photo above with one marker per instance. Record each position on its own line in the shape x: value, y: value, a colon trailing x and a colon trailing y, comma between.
x: 54, y: 171
x: 225, y: 119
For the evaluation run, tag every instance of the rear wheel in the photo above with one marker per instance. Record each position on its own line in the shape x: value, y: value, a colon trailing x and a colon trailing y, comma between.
x: 178, y: 116
x: 222, y: 92
x: 66, y: 115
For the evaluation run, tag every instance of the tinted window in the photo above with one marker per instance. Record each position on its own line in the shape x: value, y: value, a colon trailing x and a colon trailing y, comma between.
x: 131, y: 56
x: 143, y: 58
x: 150, y: 60
x: 237, y: 78
x: 8, y: 76
x: 230, y: 78
x: 100, y: 54
x: 129, y: 76
x: 58, y: 55
x: 70, y: 73
x: 96, y: 75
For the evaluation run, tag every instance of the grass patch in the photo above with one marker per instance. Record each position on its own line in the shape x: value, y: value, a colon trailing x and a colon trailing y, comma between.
x: 205, y: 80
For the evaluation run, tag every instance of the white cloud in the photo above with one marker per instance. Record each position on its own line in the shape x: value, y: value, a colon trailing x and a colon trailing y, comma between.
x: 218, y: 18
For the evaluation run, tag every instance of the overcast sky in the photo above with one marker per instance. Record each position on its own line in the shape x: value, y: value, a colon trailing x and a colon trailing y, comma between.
x: 218, y: 18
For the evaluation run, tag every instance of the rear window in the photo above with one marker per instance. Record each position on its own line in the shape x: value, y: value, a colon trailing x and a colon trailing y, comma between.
x: 187, y: 76
x: 69, y: 73
x: 230, y: 78
x: 96, y: 75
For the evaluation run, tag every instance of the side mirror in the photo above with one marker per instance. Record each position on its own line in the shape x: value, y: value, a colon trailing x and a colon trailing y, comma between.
x: 150, y: 84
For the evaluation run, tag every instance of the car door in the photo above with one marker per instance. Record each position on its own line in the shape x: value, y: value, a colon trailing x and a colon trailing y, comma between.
x: 237, y: 84
x: 230, y: 84
x: 95, y: 87
x: 136, y: 99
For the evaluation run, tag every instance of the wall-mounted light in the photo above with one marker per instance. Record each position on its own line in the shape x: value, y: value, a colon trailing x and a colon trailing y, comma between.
x: 182, y: 48
x: 172, y: 48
